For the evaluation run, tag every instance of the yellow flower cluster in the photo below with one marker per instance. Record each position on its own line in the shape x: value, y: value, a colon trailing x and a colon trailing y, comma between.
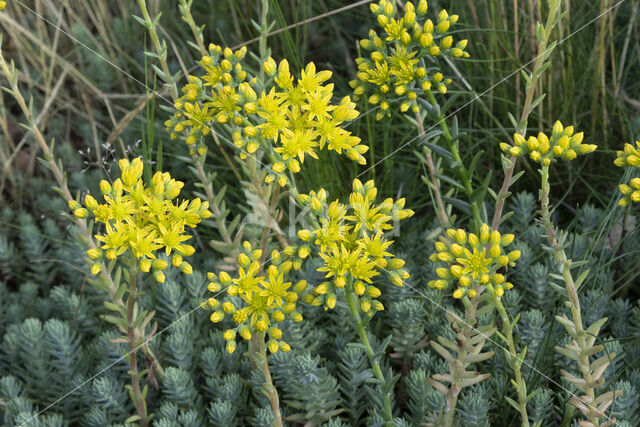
x: 224, y: 94
x: 350, y: 240
x: 3, y: 4
x: 142, y: 220
x: 402, y: 60
x: 256, y: 303
x: 301, y: 119
x: 473, y: 260
x: 290, y: 119
x: 563, y: 144
x: 630, y: 156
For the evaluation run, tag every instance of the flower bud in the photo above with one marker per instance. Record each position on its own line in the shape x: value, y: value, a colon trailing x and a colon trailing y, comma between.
x: 159, y: 276
x: 94, y: 253
x: 90, y: 202
x: 216, y: 316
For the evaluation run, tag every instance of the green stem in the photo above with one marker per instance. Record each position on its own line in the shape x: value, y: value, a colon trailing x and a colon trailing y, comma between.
x: 526, y: 111
x: 458, y: 368
x: 197, y: 33
x: 264, y: 30
x: 514, y: 359
x: 352, y: 302
x: 463, y: 174
x: 160, y: 50
x: 572, y: 294
x: 263, y: 363
x: 136, y: 393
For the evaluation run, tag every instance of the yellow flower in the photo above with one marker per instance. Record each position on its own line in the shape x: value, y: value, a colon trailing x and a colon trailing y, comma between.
x: 258, y: 303
x: 288, y: 119
x: 473, y: 261
x: 563, y: 144
x: 143, y: 220
x: 630, y: 156
x: 398, y: 54
x: 350, y: 241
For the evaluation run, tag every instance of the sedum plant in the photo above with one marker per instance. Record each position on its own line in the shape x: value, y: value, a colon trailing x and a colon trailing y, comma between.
x: 139, y: 221
x: 315, y: 319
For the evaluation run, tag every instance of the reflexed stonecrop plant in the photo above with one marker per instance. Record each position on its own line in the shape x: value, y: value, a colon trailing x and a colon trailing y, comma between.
x: 629, y: 158
x: 258, y: 298
x: 403, y: 56
x: 285, y: 119
x: 350, y: 240
x: 140, y: 222
x: 324, y: 325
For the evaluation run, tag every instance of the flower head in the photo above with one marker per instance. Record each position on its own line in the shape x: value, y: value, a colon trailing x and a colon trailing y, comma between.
x: 255, y: 303
x: 142, y: 220
x: 351, y: 243
x: 289, y: 119
x: 473, y: 261
x: 629, y: 157
x: 402, y: 57
x: 563, y: 144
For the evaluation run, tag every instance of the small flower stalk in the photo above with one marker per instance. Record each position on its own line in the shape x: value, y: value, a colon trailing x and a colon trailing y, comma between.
x: 255, y: 304
x: 472, y: 263
x: 350, y: 240
x: 582, y: 348
x: 139, y: 222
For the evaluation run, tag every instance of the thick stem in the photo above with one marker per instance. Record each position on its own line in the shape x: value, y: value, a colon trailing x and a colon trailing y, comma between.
x: 138, y: 399
x: 526, y: 111
x: 460, y: 364
x: 272, y: 393
x: 352, y: 302
x: 440, y: 209
x: 197, y: 33
x: 514, y: 360
x: 572, y: 294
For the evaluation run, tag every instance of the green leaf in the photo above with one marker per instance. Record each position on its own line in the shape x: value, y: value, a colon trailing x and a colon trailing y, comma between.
x: 132, y: 419
x: 512, y: 402
x: 442, y: 352
x: 440, y: 150
x: 578, y: 282
x: 113, y: 307
x: 139, y: 20
x: 474, y: 161
x: 450, y: 181
x: 459, y: 204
